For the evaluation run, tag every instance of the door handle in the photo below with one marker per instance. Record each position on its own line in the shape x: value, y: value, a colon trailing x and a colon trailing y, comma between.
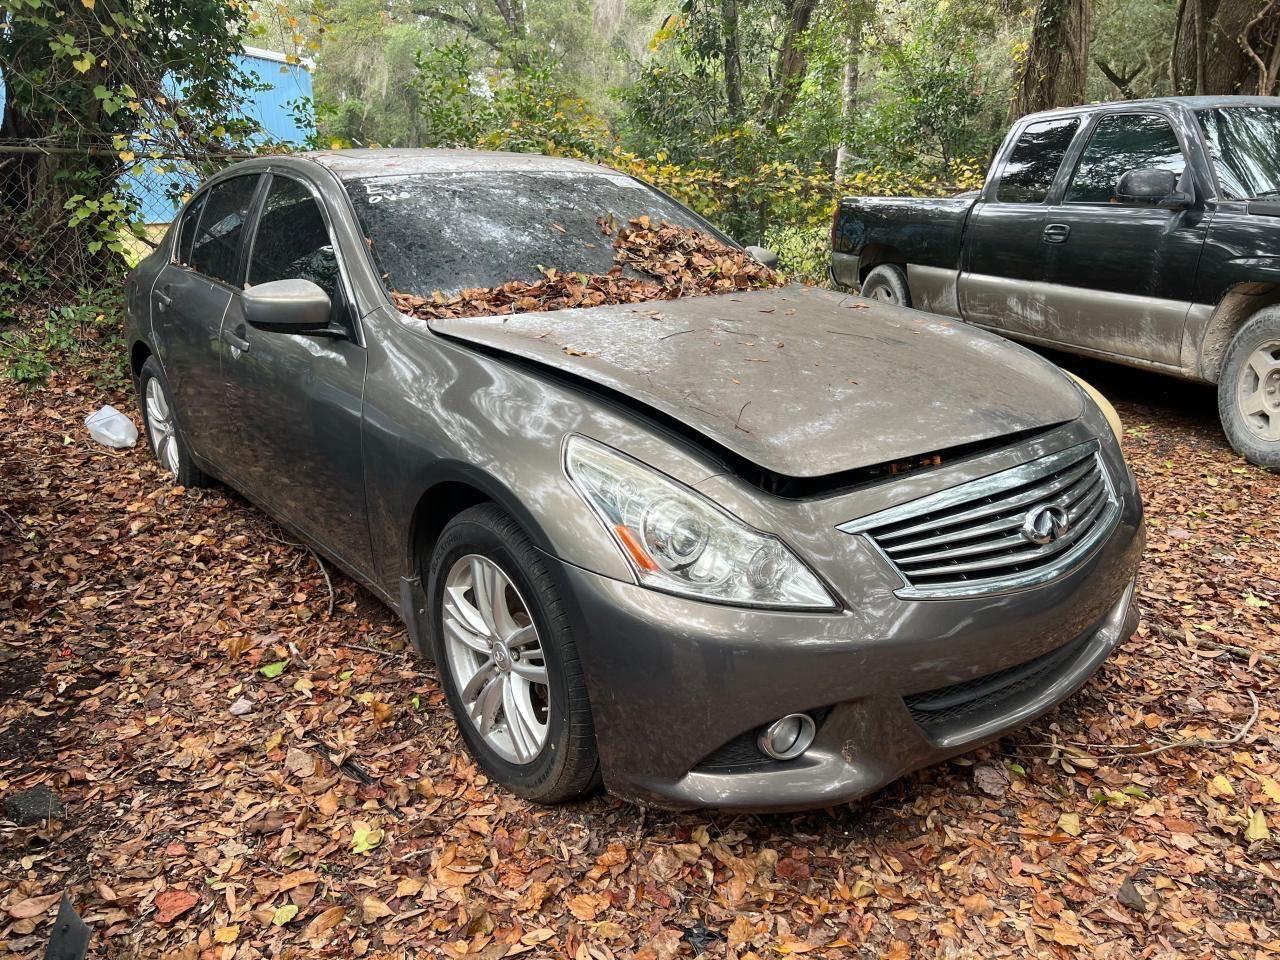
x: 1056, y: 233
x: 237, y: 342
x: 163, y: 299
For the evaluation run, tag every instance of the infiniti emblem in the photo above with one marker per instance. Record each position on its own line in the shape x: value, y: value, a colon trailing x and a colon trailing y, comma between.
x: 1044, y: 524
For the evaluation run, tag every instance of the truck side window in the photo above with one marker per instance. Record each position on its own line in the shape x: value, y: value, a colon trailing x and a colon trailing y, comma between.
x: 1120, y: 143
x: 1034, y: 161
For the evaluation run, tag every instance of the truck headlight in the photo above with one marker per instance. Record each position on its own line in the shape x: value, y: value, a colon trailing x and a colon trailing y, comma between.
x: 679, y: 541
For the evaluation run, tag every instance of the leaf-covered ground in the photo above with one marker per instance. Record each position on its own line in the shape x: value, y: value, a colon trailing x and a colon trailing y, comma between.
x: 170, y: 668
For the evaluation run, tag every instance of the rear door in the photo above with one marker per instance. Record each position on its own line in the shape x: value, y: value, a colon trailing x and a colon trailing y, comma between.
x: 189, y: 298
x: 1121, y: 277
x: 1004, y: 256
x: 298, y: 398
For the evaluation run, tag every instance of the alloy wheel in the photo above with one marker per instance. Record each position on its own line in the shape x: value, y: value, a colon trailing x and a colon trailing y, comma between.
x: 164, y: 435
x: 882, y: 292
x: 496, y: 659
x: 1258, y: 391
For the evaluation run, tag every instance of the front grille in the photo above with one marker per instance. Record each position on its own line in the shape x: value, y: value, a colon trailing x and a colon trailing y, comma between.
x: 969, y: 539
x: 939, y: 712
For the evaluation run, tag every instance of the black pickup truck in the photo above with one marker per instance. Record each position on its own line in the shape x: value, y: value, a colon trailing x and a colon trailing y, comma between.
x: 1143, y: 232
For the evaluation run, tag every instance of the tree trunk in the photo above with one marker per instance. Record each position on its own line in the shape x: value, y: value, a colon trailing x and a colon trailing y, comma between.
x: 789, y: 70
x: 1226, y: 47
x: 732, y: 59
x: 1057, y: 60
x: 854, y: 22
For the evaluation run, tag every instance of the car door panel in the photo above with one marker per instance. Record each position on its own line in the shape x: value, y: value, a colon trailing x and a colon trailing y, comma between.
x: 298, y: 398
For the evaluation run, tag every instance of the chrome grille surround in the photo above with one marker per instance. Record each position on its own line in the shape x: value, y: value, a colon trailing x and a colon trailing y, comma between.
x: 967, y: 540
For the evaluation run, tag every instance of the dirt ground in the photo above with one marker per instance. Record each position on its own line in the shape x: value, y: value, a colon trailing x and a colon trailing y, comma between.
x: 134, y: 616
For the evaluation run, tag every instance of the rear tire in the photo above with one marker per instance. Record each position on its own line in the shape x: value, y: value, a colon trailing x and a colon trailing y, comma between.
x: 160, y: 421
x: 548, y: 752
x: 888, y: 284
x: 1249, y: 390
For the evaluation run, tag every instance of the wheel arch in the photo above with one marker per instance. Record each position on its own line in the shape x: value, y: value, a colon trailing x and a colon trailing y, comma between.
x: 138, y: 355
x: 452, y: 488
x: 876, y: 254
x: 1235, y: 308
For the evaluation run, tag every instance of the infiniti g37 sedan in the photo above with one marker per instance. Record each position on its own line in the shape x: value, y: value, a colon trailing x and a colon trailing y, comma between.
x: 760, y: 550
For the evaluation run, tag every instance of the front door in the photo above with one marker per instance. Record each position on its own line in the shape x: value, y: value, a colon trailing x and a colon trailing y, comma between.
x: 1004, y: 257
x: 1122, y: 275
x: 189, y: 299
x: 299, y: 397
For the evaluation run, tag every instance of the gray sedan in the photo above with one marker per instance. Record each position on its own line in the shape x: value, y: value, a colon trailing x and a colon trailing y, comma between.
x: 763, y: 550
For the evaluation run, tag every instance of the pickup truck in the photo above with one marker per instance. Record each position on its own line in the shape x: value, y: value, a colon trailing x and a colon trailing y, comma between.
x: 1141, y: 232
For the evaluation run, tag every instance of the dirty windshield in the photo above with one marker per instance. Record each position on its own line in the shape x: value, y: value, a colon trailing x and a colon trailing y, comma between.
x: 453, y: 231
x: 1245, y: 145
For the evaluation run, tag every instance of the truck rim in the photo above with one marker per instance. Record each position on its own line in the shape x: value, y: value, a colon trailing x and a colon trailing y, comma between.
x: 496, y: 658
x: 1258, y: 391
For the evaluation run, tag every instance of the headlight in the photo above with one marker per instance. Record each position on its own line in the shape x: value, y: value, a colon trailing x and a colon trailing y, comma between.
x: 679, y: 541
x: 1103, y: 403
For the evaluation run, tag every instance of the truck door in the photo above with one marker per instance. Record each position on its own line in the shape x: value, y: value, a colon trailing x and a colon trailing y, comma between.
x: 1121, y: 276
x: 1003, y: 256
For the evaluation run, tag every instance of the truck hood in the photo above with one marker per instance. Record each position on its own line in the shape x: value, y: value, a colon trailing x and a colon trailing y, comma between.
x: 801, y: 382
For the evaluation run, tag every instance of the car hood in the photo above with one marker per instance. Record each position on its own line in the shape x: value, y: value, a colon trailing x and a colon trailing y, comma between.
x: 802, y: 382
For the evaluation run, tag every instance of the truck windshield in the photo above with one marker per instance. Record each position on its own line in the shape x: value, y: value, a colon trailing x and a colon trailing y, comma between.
x: 452, y: 231
x: 1244, y: 143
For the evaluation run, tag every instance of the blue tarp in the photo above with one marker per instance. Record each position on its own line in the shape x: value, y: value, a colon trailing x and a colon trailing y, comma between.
x: 285, y: 83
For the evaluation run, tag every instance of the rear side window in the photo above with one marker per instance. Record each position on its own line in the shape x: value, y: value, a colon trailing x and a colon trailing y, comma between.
x: 216, y: 248
x: 1028, y: 173
x: 293, y: 240
x: 187, y: 229
x: 1120, y: 143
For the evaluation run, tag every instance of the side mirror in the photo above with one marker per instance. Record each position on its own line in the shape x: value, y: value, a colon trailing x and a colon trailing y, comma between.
x: 287, y: 306
x: 1151, y: 186
x: 764, y: 255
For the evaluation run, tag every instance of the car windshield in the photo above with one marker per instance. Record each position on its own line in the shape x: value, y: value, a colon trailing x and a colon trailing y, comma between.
x: 1245, y: 145
x: 449, y: 232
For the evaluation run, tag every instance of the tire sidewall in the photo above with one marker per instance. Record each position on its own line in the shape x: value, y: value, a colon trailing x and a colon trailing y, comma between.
x: 891, y: 277
x: 468, y: 535
x: 1263, y: 325
x: 188, y: 474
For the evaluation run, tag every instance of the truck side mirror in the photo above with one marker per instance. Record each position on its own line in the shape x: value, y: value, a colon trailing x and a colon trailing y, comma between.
x: 1151, y: 186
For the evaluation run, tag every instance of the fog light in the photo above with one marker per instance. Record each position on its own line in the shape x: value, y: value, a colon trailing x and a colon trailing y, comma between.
x: 789, y: 737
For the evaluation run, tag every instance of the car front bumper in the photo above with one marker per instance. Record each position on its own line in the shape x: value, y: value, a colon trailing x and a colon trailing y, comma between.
x: 681, y: 688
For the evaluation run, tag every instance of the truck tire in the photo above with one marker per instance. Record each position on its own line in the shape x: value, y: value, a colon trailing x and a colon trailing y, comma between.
x: 887, y: 283
x: 1249, y: 389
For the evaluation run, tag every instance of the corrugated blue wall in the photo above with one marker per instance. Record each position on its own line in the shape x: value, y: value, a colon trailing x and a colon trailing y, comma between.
x: 285, y: 82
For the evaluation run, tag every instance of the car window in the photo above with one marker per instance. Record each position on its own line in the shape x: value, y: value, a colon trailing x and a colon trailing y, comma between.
x: 1120, y: 143
x: 187, y: 229
x: 216, y: 248
x: 450, y: 231
x: 1034, y: 161
x: 293, y: 241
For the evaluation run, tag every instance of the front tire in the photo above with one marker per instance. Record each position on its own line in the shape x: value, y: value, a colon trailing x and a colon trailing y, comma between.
x: 160, y: 421
x: 507, y: 659
x: 1249, y: 390
x: 888, y: 284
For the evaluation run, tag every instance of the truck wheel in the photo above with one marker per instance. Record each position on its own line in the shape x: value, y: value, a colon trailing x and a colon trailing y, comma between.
x: 888, y: 283
x: 1249, y: 390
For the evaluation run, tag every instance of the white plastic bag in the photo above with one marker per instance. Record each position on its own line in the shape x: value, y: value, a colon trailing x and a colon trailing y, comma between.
x: 111, y: 427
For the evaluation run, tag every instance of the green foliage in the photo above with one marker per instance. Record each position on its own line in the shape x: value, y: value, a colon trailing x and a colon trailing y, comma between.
x: 85, y: 332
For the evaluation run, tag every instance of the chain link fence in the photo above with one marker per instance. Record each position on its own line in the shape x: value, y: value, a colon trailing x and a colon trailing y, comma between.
x: 75, y: 218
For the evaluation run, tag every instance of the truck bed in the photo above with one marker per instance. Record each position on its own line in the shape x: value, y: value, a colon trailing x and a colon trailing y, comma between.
x: 923, y: 231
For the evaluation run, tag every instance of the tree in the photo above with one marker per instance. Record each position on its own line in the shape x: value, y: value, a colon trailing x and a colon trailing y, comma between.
x: 1056, y: 66
x: 94, y: 82
x: 1226, y: 47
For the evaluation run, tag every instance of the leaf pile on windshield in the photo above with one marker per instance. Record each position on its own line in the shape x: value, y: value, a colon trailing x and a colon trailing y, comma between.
x: 650, y: 262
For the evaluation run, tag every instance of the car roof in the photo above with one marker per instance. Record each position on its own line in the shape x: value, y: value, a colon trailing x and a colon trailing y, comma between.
x: 389, y: 162
x: 1189, y: 103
